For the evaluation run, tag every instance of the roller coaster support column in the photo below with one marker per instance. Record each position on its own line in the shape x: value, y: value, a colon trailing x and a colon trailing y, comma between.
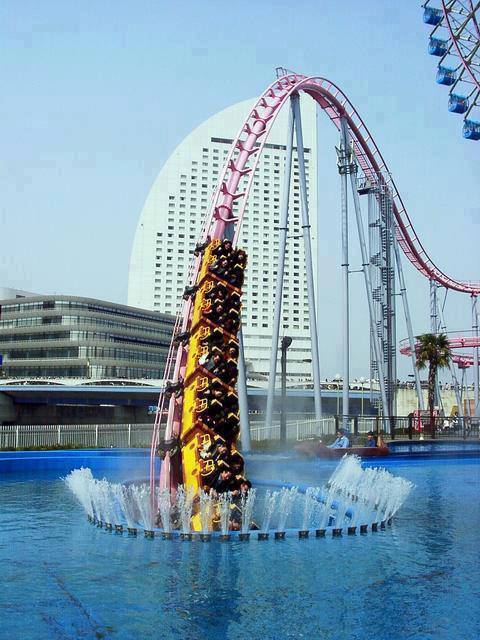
x: 368, y: 288
x: 456, y: 385
x: 345, y: 166
x: 435, y: 327
x: 283, y: 230
x: 242, y: 396
x: 476, y: 373
x: 408, y: 322
x: 317, y: 393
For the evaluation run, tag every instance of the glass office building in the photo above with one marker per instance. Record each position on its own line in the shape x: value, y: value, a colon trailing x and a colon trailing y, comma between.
x: 73, y: 337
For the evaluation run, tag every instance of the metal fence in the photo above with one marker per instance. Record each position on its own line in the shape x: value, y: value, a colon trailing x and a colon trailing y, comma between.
x: 75, y: 435
x: 139, y: 435
x: 296, y: 429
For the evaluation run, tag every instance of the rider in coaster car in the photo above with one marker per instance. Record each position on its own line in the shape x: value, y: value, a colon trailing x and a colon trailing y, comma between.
x: 227, y: 426
x: 223, y: 481
x: 214, y: 338
x: 238, y: 258
x: 170, y: 447
x: 217, y: 294
x: 215, y: 312
x: 225, y: 248
x: 189, y: 292
x: 235, y: 462
x: 174, y: 388
x: 232, y: 351
x: 231, y: 325
x: 236, y: 275
x: 230, y: 401
x: 220, y: 268
x: 235, y: 301
x: 201, y: 246
x: 182, y: 338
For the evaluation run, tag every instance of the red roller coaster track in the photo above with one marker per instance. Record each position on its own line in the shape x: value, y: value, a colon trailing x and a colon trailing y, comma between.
x: 230, y: 199
x: 336, y: 105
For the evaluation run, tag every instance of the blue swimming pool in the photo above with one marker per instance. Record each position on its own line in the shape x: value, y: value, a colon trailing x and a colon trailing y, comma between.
x: 64, y: 578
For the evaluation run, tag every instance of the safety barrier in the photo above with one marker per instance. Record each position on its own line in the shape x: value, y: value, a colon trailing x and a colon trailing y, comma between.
x: 75, y: 435
x: 139, y: 435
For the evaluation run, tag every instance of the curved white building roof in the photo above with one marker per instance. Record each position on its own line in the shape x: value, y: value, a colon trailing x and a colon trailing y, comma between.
x: 172, y: 216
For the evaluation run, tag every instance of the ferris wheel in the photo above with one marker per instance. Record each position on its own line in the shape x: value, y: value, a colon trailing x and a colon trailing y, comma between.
x: 455, y: 39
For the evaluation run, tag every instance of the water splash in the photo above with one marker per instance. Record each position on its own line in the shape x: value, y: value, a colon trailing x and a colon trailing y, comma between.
x: 270, y: 503
x: 285, y: 505
x: 352, y: 497
x: 164, y: 507
x: 184, y: 506
x: 206, y: 511
x: 224, y: 507
x: 247, y: 503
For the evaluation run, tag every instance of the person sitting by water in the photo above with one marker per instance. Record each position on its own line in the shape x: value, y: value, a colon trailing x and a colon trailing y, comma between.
x: 371, y: 441
x: 380, y: 441
x: 342, y: 442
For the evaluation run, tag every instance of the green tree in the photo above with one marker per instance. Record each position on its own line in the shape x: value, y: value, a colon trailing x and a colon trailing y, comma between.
x: 434, y: 350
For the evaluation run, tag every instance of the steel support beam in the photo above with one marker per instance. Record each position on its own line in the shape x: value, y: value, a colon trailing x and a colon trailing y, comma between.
x: 317, y: 393
x: 283, y: 230
x: 408, y: 322
x: 242, y: 395
x: 368, y: 289
x: 451, y: 366
x: 344, y: 163
x: 476, y: 373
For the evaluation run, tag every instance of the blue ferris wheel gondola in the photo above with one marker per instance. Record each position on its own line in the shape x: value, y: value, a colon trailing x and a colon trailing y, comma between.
x: 471, y: 130
x: 457, y: 103
x: 455, y: 41
x: 437, y: 47
x: 446, y: 76
x: 432, y: 16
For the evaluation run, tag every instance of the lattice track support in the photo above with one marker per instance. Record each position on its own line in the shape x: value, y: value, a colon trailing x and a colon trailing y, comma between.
x: 381, y: 266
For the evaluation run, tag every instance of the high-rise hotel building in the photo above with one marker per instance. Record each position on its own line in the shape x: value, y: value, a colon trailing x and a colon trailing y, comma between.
x: 172, y: 217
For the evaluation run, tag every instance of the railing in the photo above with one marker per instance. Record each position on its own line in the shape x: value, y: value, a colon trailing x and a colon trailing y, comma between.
x: 75, y: 435
x: 296, y: 429
x: 139, y: 435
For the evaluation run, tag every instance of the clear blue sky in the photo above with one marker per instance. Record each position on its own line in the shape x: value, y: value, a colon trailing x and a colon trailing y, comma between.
x: 96, y: 95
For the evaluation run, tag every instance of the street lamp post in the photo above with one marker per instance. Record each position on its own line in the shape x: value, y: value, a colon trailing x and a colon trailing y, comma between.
x: 338, y: 379
x: 362, y: 382
x: 286, y: 342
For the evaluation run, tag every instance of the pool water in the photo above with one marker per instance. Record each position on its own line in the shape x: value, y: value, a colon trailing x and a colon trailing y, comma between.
x: 64, y: 578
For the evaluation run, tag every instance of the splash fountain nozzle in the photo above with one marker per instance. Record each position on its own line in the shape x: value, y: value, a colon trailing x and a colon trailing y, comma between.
x: 186, y: 537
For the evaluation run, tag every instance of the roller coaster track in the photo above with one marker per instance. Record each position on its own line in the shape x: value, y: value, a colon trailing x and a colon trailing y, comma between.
x: 454, y: 342
x: 230, y: 199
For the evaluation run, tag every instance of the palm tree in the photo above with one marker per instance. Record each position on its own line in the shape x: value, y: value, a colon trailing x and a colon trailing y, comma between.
x: 434, y: 350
